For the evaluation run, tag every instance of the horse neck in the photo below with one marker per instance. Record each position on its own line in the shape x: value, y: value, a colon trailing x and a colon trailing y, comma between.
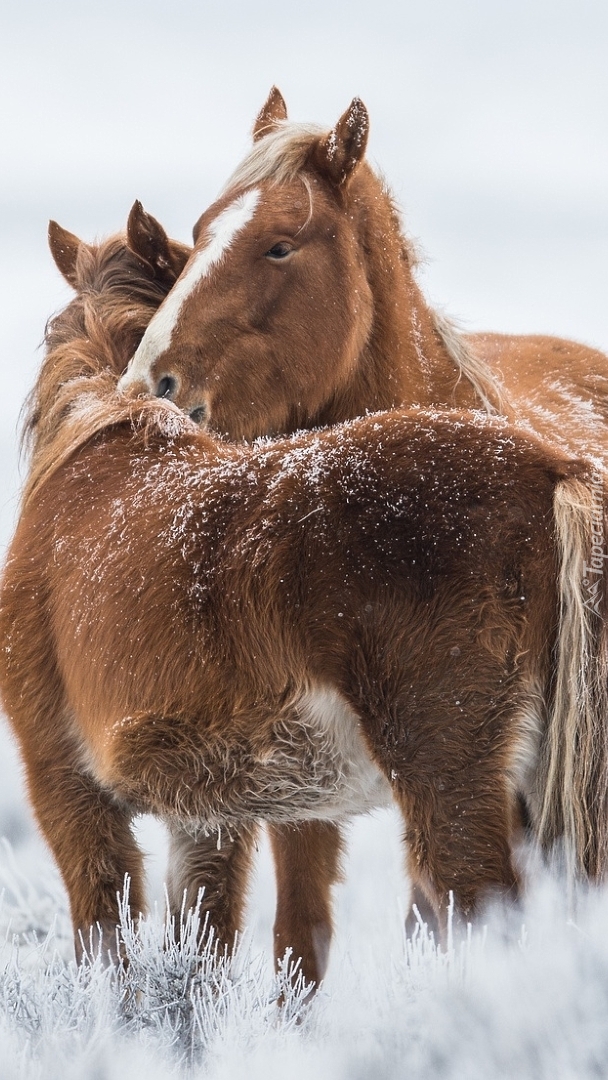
x: 405, y: 360
x: 75, y: 394
x: 95, y: 335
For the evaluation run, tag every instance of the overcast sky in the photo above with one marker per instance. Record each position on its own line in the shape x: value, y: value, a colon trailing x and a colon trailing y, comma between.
x: 490, y: 121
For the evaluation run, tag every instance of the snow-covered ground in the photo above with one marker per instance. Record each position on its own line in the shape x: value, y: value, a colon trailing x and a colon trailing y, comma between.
x: 527, y: 1002
x: 491, y: 123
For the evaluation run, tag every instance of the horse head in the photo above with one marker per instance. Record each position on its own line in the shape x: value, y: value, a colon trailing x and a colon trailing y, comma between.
x: 144, y: 254
x: 274, y: 309
x: 119, y: 284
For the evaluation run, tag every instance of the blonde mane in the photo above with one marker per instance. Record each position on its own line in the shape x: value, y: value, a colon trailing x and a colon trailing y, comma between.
x: 487, y: 386
x: 278, y: 157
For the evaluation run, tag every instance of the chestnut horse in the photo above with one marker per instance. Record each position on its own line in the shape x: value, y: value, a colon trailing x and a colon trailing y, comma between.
x: 390, y: 609
x: 300, y: 307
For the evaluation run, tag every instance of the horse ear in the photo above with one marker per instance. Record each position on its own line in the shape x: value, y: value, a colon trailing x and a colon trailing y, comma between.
x: 272, y: 112
x: 64, y: 249
x: 338, y: 154
x: 148, y: 240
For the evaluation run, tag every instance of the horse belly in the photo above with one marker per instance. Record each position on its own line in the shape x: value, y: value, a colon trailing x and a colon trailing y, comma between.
x: 310, y: 763
x: 358, y: 784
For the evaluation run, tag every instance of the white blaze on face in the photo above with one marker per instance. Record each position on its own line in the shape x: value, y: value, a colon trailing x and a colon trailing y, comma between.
x: 157, y: 337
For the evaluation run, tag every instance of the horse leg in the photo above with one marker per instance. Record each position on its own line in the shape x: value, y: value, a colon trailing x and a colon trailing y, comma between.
x: 220, y: 867
x: 90, y: 836
x: 307, y: 862
x: 459, y: 844
x: 87, y: 829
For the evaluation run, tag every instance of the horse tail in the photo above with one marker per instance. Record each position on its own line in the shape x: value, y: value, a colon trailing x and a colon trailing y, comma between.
x: 575, y: 797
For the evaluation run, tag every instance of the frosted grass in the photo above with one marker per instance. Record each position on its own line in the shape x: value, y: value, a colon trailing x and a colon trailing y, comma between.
x: 523, y: 999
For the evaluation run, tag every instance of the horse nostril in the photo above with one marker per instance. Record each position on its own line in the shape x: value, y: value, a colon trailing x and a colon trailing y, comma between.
x: 199, y: 415
x: 166, y: 387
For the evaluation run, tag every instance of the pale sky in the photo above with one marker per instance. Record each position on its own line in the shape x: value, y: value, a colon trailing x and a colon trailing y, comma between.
x: 489, y: 120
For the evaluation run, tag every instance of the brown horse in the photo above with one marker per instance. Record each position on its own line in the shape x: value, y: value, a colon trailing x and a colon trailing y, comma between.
x: 300, y: 307
x: 393, y: 608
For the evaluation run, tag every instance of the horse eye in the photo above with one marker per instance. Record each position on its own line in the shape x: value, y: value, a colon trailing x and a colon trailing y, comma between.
x: 279, y: 251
